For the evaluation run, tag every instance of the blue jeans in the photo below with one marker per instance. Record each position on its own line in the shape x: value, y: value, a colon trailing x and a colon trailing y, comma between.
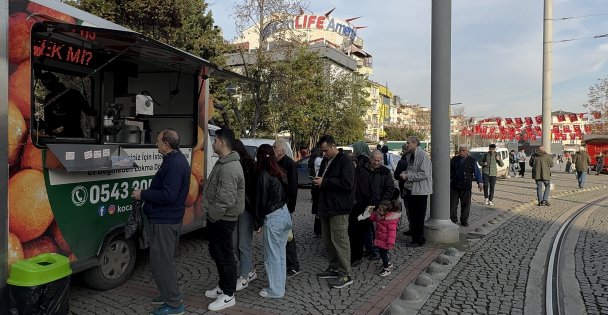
x: 242, y: 236
x: 539, y: 190
x: 513, y: 169
x: 580, y: 176
x: 276, y: 227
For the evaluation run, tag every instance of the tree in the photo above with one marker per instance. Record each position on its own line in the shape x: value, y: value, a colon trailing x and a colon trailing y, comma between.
x: 185, y: 24
x: 401, y: 133
x: 598, y: 102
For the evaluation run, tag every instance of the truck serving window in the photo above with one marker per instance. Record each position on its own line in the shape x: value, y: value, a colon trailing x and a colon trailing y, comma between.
x: 94, y: 85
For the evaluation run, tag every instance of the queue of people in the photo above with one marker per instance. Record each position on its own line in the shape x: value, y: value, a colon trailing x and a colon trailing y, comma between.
x: 354, y: 199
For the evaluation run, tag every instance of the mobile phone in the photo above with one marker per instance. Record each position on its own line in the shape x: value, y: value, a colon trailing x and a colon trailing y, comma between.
x: 312, y: 177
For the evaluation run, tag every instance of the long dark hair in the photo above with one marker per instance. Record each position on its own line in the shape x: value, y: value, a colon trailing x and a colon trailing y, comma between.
x: 239, y: 147
x: 266, y: 161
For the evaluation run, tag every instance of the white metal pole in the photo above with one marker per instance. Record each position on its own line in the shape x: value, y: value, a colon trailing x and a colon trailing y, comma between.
x: 547, y: 73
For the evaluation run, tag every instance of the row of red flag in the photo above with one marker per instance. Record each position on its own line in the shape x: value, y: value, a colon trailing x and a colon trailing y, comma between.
x: 525, y: 132
x: 539, y: 119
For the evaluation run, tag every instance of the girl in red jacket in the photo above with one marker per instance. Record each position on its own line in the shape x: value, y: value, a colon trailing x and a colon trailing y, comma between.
x: 387, y: 218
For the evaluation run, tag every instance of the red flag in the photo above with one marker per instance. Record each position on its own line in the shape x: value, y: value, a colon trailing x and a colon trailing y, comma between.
x: 597, y: 115
x: 508, y: 121
x: 581, y: 116
x: 477, y: 129
x: 572, y: 136
x: 567, y: 128
x: 539, y: 120
x: 573, y: 117
x: 492, y: 130
x: 533, y: 137
x: 484, y: 130
x: 555, y: 129
x: 517, y: 137
x: 577, y: 128
x: 587, y: 129
x: 498, y: 121
x: 518, y: 120
x: 528, y: 120
x: 564, y: 136
x: 561, y: 118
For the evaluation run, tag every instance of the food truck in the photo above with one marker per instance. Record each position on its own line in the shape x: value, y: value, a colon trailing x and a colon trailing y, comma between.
x: 597, y: 145
x: 83, y: 100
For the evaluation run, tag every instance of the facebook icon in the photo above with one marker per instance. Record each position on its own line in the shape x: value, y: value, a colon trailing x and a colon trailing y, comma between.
x: 102, y: 210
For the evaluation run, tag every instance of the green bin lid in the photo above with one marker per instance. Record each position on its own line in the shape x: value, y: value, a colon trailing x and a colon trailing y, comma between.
x: 42, y: 269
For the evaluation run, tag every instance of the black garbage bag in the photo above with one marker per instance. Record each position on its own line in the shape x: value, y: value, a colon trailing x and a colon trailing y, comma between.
x: 135, y: 222
x: 50, y: 298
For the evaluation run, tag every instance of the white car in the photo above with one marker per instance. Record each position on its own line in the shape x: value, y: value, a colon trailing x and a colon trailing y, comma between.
x: 501, y: 171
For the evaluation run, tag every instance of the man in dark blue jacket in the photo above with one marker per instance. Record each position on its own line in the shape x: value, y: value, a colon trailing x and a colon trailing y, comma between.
x: 164, y: 206
x: 463, y: 170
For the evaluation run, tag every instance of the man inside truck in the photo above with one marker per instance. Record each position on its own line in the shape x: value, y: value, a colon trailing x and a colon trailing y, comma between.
x: 63, y: 107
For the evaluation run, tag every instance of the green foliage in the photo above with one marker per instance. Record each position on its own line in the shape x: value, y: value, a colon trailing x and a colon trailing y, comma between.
x: 401, y: 134
x: 598, y: 101
x: 185, y: 24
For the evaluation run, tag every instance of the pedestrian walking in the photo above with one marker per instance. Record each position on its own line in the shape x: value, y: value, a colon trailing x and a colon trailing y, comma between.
x: 373, y: 183
x: 521, y: 157
x: 224, y: 202
x: 541, y: 172
x: 599, y: 163
x: 280, y: 148
x: 418, y: 186
x: 569, y: 165
x: 513, y: 164
x: 387, y: 218
x: 272, y: 214
x: 164, y: 206
x: 581, y: 162
x: 463, y: 170
x: 489, y: 167
x: 336, y: 182
x: 243, y: 233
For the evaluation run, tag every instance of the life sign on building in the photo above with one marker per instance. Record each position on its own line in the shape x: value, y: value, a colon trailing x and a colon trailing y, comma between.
x: 311, y: 22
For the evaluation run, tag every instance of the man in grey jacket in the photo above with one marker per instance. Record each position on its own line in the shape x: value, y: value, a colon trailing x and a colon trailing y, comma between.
x: 417, y: 186
x: 223, y: 202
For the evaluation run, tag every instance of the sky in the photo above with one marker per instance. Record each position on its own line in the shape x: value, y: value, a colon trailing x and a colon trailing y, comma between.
x: 497, y: 50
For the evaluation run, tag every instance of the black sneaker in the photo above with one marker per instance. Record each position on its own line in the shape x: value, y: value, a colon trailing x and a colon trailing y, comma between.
x: 546, y: 203
x: 407, y: 233
x: 328, y: 274
x: 464, y: 223
x: 540, y: 203
x: 342, y: 282
x: 355, y: 263
x: 292, y: 273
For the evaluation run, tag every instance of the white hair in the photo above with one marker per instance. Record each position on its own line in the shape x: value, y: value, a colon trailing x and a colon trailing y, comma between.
x: 463, y: 146
x: 282, y: 144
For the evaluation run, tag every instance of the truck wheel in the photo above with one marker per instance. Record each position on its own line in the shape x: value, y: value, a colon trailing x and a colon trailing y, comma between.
x: 117, y: 260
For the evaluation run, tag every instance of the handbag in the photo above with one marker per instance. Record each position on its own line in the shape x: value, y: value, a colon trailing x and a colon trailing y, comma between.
x: 135, y: 221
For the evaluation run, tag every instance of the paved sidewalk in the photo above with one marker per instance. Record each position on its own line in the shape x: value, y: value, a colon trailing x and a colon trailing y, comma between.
x: 369, y: 294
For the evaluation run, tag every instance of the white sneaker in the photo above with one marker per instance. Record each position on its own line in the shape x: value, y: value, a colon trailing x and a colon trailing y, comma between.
x: 214, y: 293
x: 508, y: 176
x: 487, y: 201
x: 490, y: 203
x: 222, y: 302
x: 252, y: 276
x: 241, y: 283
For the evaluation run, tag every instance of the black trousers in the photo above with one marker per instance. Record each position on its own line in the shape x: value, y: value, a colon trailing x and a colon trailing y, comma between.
x: 522, y: 168
x: 417, y: 204
x: 292, y: 253
x: 163, y: 243
x: 462, y: 196
x: 358, y: 234
x: 222, y: 252
x: 489, y: 182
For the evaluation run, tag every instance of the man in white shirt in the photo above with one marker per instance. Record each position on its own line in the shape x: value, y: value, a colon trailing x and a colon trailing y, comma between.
x: 521, y: 157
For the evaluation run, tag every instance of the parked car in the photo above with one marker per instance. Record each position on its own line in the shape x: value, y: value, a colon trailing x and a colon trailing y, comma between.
x: 303, y: 173
x: 501, y: 171
x: 252, y: 145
